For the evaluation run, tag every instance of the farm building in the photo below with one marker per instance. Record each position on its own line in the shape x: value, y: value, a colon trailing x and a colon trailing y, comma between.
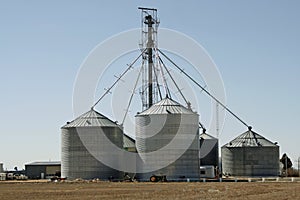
x: 41, y: 170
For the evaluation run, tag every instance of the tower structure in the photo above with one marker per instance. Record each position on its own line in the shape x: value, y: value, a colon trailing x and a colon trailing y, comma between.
x: 149, y: 26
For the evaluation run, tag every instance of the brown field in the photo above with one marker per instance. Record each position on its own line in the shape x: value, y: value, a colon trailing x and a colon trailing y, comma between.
x: 132, y: 191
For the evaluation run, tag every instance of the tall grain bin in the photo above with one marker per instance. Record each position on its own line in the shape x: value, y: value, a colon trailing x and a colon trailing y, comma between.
x: 77, y: 161
x: 156, y: 127
x: 250, y: 154
x: 209, y: 150
x: 1, y: 167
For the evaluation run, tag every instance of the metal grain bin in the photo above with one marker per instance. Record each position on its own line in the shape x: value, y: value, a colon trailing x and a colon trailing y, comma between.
x: 77, y: 161
x: 156, y: 127
x: 250, y: 154
x: 1, y: 168
x: 209, y: 150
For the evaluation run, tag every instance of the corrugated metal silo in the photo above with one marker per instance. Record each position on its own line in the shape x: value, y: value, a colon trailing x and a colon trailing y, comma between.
x: 156, y: 127
x: 209, y: 150
x: 1, y: 167
x: 250, y: 154
x: 77, y: 161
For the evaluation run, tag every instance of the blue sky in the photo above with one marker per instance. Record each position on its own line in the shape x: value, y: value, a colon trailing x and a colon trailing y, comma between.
x: 255, y: 45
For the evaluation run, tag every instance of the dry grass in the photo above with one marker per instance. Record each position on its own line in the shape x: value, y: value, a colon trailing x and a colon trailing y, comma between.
x: 132, y: 191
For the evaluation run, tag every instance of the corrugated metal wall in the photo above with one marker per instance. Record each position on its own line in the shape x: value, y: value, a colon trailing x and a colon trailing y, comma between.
x: 77, y: 162
x: 209, y: 151
x: 250, y: 161
x: 165, y: 127
x: 34, y: 171
x: 52, y: 170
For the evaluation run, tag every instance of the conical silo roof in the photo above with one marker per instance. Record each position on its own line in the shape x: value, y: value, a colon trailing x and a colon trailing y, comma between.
x: 206, y: 136
x: 167, y: 106
x: 128, y: 141
x: 91, y: 118
x: 250, y: 139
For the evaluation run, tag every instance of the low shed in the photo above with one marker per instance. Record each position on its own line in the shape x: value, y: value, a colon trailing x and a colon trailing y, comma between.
x: 41, y: 170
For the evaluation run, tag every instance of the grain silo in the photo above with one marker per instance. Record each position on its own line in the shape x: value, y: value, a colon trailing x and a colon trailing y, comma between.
x: 156, y: 127
x: 209, y: 150
x: 77, y: 160
x: 1, y: 168
x: 250, y: 154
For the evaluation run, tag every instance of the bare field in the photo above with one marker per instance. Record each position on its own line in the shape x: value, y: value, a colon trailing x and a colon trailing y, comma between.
x: 132, y: 191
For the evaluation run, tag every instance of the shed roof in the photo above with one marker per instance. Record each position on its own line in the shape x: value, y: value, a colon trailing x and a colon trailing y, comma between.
x: 45, y: 163
x: 167, y: 106
x: 250, y: 139
x: 91, y: 118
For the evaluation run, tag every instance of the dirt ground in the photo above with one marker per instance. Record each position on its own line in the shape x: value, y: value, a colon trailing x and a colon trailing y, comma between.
x: 132, y: 191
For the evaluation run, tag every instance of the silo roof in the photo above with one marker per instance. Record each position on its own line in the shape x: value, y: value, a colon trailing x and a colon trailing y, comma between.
x: 90, y: 119
x: 167, y: 106
x: 128, y: 141
x: 206, y: 136
x: 250, y: 139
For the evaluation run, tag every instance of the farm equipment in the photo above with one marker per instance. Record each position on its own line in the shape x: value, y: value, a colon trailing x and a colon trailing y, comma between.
x: 158, y: 178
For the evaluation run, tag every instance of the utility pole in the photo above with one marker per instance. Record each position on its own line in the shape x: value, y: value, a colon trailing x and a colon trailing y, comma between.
x: 217, y: 120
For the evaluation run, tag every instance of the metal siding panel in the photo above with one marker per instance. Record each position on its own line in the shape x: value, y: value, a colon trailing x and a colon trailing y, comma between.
x: 250, y: 161
x: 77, y: 162
x: 52, y: 170
x: 34, y: 171
x: 188, y: 164
x: 209, y: 152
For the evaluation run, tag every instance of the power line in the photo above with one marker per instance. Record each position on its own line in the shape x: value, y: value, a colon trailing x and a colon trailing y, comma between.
x: 207, y: 92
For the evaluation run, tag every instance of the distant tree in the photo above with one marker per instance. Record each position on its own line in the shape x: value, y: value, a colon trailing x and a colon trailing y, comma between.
x: 16, y: 168
x: 286, y: 161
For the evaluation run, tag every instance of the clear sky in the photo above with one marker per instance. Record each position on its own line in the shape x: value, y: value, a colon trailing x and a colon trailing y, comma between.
x: 255, y: 45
